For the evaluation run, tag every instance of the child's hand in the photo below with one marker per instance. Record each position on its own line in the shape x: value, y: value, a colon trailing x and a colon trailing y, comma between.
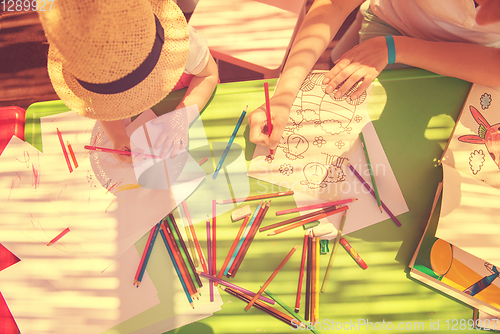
x: 174, y: 135
x: 123, y: 144
x: 257, y: 121
x: 363, y: 64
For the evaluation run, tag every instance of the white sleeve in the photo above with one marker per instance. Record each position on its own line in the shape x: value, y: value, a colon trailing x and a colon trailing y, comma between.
x: 198, y: 52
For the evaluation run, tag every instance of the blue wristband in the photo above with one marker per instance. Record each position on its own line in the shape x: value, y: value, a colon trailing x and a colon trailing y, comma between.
x: 391, y: 50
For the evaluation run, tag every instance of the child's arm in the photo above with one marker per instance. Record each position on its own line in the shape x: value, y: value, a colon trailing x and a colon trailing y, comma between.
x: 199, y: 91
x: 319, y: 27
x: 118, y: 136
x: 470, y: 62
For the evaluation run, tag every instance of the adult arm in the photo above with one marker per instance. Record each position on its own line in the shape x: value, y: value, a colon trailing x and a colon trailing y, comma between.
x: 470, y: 62
x: 320, y: 25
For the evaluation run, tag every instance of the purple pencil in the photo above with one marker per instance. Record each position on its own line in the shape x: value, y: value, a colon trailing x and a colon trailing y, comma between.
x: 234, y: 286
x: 209, y: 252
x: 367, y: 186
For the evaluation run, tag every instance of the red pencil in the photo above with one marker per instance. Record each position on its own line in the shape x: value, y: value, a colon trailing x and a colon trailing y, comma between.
x: 307, y: 311
x: 144, y: 254
x: 268, y: 112
x: 316, y: 206
x: 59, y: 134
x: 301, y: 274
x: 59, y: 236
x: 214, y: 239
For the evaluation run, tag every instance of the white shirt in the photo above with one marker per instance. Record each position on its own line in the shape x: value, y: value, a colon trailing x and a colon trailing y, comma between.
x: 198, y: 52
x: 437, y: 20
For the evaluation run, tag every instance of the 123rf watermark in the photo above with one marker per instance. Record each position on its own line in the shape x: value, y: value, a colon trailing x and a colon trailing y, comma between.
x: 26, y: 5
x: 365, y: 324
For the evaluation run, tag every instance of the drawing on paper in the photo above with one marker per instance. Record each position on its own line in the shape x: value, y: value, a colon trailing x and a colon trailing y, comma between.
x: 318, y: 175
x: 486, y: 134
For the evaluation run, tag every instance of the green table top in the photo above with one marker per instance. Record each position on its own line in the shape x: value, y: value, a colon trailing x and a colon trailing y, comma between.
x: 413, y: 112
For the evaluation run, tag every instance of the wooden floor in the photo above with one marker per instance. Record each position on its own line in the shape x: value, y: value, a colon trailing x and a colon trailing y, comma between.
x: 23, y: 58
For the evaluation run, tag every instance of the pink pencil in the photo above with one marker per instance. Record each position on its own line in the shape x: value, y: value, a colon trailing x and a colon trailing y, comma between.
x: 110, y: 150
x: 59, y: 134
x: 59, y: 236
x: 209, y: 257
x: 316, y: 206
x: 214, y: 239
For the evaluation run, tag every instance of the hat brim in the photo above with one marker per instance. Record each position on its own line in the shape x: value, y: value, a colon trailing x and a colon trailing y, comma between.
x: 150, y: 91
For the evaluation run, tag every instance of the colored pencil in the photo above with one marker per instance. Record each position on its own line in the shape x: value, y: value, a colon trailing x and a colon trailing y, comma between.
x: 59, y: 236
x: 316, y: 282
x: 65, y: 153
x: 288, y: 309
x: 313, y: 280
x: 301, y: 274
x: 234, y: 286
x: 260, y: 305
x: 298, y: 218
x: 209, y: 257
x: 110, y: 150
x: 256, y: 197
x: 334, y: 250
x: 268, y: 113
x: 300, y: 223
x: 353, y: 253
x: 242, y: 239
x: 273, y: 275
x: 189, y: 236
x: 316, y: 206
x: 193, y: 233
x: 176, y: 267
x: 248, y: 241
x: 178, y: 260
x: 307, y: 310
x: 72, y: 153
x: 148, y: 254
x: 233, y: 247
x: 181, y: 245
x: 143, y: 257
x: 214, y: 238
x: 375, y: 189
x: 202, y: 161
x: 367, y: 186
x: 226, y: 150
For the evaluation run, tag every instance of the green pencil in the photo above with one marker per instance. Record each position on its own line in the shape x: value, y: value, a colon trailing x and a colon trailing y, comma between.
x: 377, y: 196
x: 289, y: 310
x: 334, y: 250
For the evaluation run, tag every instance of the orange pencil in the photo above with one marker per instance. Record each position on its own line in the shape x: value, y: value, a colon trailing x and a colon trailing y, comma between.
x: 273, y: 275
x: 59, y: 236
x: 233, y: 247
x: 214, y: 239
x: 195, y: 238
x: 256, y: 197
x: 296, y: 219
x: 72, y: 153
x: 300, y: 223
x: 353, y: 253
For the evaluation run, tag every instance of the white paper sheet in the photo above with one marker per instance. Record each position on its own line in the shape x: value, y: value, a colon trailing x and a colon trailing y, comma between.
x: 322, y: 136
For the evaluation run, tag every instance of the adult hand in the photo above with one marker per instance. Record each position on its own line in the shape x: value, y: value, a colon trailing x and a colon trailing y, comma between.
x: 257, y: 121
x: 174, y: 135
x: 362, y: 64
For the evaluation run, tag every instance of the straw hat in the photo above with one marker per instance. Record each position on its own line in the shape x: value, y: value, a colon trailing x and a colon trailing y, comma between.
x: 111, y: 59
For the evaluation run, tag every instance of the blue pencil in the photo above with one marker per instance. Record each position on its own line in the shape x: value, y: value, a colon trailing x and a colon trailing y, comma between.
x: 242, y: 239
x: 177, y: 268
x: 226, y: 151
x: 148, y: 254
